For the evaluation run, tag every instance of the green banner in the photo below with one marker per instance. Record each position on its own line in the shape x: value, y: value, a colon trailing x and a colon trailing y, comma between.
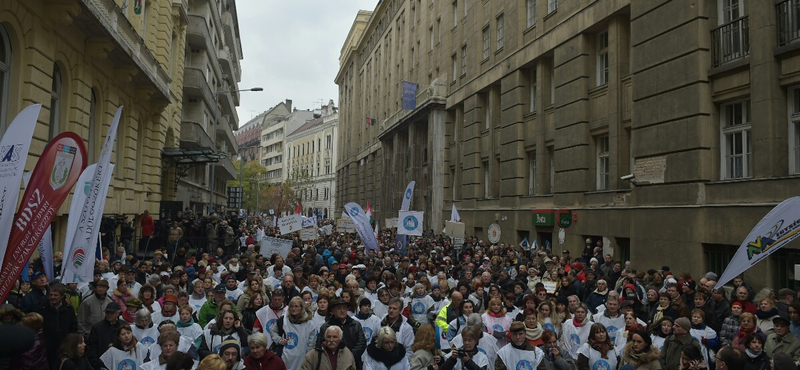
x: 543, y: 217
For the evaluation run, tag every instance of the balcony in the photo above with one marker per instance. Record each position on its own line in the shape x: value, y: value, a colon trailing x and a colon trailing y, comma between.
x: 195, y: 85
x: 224, y: 132
x: 197, y: 34
x: 730, y: 42
x: 225, y: 170
x: 194, y: 136
x: 788, y: 14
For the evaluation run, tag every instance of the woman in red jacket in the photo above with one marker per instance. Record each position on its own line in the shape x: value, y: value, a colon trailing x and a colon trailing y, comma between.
x: 260, y: 357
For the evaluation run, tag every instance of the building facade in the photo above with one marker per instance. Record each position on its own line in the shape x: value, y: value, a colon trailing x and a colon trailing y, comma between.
x: 213, y: 53
x: 248, y: 139
x: 533, y: 114
x: 82, y: 59
x: 311, y: 151
x: 273, y: 139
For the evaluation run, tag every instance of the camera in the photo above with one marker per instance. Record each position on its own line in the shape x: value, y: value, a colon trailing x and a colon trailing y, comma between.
x: 462, y: 353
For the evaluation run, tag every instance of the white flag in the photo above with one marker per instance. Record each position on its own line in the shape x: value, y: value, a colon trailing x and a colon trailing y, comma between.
x: 79, y: 262
x: 361, y: 222
x: 410, y: 223
x: 78, y: 198
x: 13, y: 152
x: 454, y: 214
x: 407, y: 196
x: 779, y: 227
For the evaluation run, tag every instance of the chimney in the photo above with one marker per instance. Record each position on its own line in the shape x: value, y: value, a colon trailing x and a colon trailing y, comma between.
x: 289, y: 104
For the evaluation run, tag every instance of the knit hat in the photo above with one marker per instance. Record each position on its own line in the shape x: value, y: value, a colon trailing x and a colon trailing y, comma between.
x: 737, y: 303
x: 134, y: 302
x: 684, y: 323
x: 230, y: 343
x: 171, y: 298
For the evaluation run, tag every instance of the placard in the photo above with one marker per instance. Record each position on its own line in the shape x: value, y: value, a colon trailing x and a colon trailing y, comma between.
x: 391, y: 223
x: 454, y: 229
x: 345, y: 225
x: 271, y: 245
x: 328, y: 229
x: 290, y: 223
x: 308, y: 234
x: 550, y: 286
x: 458, y: 242
x: 309, y: 222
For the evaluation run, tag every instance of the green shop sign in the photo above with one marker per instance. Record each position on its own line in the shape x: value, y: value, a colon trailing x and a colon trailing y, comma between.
x: 564, y: 218
x: 544, y: 217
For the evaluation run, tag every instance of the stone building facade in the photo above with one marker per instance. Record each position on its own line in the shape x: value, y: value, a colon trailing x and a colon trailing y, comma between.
x: 82, y: 59
x: 532, y: 111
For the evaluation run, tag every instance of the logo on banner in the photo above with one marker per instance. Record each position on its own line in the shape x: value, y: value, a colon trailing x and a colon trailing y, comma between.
x: 65, y: 156
x: 524, y: 365
x: 270, y: 324
x: 354, y: 211
x: 574, y: 339
x: 126, y: 364
x: 409, y: 192
x: 78, y: 257
x: 776, y: 234
x: 368, y: 333
x: 601, y: 365
x: 291, y: 340
x: 612, y: 332
x: 148, y: 341
x: 410, y: 222
x: 10, y: 153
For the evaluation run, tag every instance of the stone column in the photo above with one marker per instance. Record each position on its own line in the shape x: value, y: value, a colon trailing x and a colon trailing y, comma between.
x: 436, y: 167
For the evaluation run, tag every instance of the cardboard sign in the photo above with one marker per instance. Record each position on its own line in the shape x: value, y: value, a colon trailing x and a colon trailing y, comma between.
x: 550, y: 286
x: 458, y: 242
x: 345, y: 225
x: 308, y: 234
x: 290, y: 224
x: 274, y: 245
x: 391, y: 223
x: 454, y: 229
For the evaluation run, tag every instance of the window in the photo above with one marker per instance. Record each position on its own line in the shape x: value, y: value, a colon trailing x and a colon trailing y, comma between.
x: 602, y: 162
x: 431, y: 31
x: 731, y: 10
x: 464, y: 60
x: 55, y: 103
x: 487, y: 34
x: 465, y: 8
x: 532, y: 173
x: 455, y: 67
x: 328, y: 142
x: 531, y: 11
x: 5, y: 76
x: 794, y: 126
x: 439, y: 30
x: 552, y: 5
x: 455, y: 13
x: 486, y: 179
x: 552, y: 172
x: 735, y: 126
x: 602, y: 58
x: 500, y: 31
x: 140, y: 149
x: 532, y: 91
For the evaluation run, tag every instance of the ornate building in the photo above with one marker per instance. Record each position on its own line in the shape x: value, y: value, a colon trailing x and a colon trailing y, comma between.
x: 662, y: 129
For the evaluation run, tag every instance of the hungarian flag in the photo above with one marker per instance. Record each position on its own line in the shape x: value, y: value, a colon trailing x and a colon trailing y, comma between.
x: 299, y: 208
x: 371, y: 121
x: 369, y: 213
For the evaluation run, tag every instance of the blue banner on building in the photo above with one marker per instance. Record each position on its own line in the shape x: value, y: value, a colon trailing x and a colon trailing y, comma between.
x: 409, y: 95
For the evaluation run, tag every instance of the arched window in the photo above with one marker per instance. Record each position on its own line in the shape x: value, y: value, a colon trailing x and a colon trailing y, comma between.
x: 55, y: 103
x: 5, y: 77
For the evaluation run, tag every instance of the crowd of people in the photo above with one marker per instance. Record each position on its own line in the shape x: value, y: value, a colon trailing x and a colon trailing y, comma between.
x: 221, y: 304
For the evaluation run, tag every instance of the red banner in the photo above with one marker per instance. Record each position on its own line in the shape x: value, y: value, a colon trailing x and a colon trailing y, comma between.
x: 52, y: 180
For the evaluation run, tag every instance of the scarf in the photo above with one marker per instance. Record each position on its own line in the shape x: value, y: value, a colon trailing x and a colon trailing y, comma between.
x: 602, y: 347
x: 533, y: 333
x: 126, y: 315
x: 496, y: 314
x: 577, y: 323
x: 387, y: 358
x: 183, y: 324
x: 363, y: 316
x: 766, y: 314
x: 198, y: 296
x: 659, y: 313
x: 742, y: 334
x: 752, y: 354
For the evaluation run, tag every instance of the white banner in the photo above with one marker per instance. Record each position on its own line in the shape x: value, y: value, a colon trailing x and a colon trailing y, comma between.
x: 391, y: 223
x: 88, y: 228
x: 328, y: 229
x: 13, y: 152
x: 345, y: 225
x: 308, y: 234
x: 361, y: 223
x: 290, y: 223
x: 454, y: 214
x: 274, y: 245
x: 779, y: 227
x: 78, y: 198
x: 45, y: 248
x: 309, y: 222
x: 410, y: 223
x: 407, y: 196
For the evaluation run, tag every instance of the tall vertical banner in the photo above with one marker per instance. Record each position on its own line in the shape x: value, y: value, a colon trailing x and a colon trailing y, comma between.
x: 78, y: 198
x: 80, y: 264
x: 409, y: 95
x: 55, y: 173
x: 362, y: 225
x: 13, y: 153
x: 779, y: 227
x: 407, y: 196
x: 45, y: 248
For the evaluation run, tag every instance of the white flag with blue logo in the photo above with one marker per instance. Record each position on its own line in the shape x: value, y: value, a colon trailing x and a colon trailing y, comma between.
x: 410, y: 223
x: 407, y: 196
x: 364, y: 229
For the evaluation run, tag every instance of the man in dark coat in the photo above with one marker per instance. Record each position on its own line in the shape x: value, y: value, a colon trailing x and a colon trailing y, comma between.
x: 59, y: 320
x: 38, y: 295
x: 102, y: 335
x: 353, y: 336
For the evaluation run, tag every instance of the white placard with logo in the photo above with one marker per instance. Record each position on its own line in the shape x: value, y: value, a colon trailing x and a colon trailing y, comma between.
x: 494, y: 233
x: 274, y: 245
x: 410, y: 223
x: 391, y: 223
x: 345, y: 225
x: 308, y: 234
x: 290, y: 223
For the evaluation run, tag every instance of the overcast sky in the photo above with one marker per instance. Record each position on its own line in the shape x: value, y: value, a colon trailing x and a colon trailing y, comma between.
x: 291, y: 49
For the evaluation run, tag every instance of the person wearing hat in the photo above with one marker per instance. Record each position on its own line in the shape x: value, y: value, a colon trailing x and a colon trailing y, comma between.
x: 210, y: 309
x: 132, y: 306
x: 369, y: 322
x: 352, y: 332
x: 103, y: 334
x: 92, y: 309
x: 782, y: 340
x: 38, y: 294
x: 169, y: 310
x: 520, y: 349
x: 670, y: 357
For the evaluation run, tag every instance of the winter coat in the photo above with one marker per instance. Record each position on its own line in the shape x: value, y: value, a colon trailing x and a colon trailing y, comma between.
x: 728, y: 331
x: 563, y: 362
x: 122, y: 298
x: 353, y: 337
x: 318, y: 359
x: 596, y: 299
x: 101, y: 337
x: 81, y: 363
x: 760, y: 362
x: 34, y: 358
x: 641, y: 361
x: 376, y: 358
x: 789, y: 345
x: 58, y: 322
x: 91, y: 311
x: 670, y: 357
x: 421, y: 359
x: 269, y: 361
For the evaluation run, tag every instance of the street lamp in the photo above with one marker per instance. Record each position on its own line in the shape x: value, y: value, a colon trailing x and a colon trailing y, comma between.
x: 216, y: 120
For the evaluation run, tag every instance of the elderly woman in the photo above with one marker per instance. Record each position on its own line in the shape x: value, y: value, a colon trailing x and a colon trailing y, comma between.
x: 765, y: 313
x: 144, y: 328
x: 385, y: 353
x: 747, y: 323
x: 168, y: 342
x: 260, y: 357
x: 468, y: 356
x: 295, y: 333
x: 730, y: 325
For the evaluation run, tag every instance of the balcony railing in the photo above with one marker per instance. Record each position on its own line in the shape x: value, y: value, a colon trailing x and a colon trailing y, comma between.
x: 788, y: 13
x: 730, y: 42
